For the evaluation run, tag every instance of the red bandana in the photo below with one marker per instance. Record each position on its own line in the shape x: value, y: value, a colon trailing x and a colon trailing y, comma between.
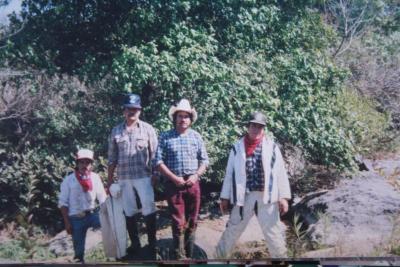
x: 250, y: 145
x: 85, y: 180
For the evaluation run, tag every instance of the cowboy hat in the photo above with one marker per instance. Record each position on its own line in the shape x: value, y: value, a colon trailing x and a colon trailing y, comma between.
x: 183, y: 105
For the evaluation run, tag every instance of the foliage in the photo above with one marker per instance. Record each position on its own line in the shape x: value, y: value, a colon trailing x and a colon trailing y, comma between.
x: 367, y: 128
x: 29, y: 187
x: 291, y: 81
x: 38, y: 142
x: 228, y: 57
x: 26, y: 243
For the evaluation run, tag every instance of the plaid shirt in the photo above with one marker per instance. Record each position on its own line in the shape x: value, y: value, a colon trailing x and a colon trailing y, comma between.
x: 133, y: 151
x: 181, y: 153
x: 255, y: 171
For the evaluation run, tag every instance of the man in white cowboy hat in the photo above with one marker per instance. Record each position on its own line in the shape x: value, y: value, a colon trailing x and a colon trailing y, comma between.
x: 182, y: 158
x: 131, y: 148
x: 255, y: 183
x: 79, y: 191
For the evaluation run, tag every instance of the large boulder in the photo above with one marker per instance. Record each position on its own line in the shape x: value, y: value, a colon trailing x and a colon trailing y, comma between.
x: 354, y: 219
x: 294, y: 159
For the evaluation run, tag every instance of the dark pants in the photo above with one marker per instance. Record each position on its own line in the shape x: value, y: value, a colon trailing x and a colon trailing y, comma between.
x: 184, y: 206
x: 79, y: 229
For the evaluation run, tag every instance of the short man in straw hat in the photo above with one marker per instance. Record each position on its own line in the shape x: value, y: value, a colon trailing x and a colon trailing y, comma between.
x: 79, y: 191
x: 255, y: 183
x: 182, y: 158
x: 131, y: 148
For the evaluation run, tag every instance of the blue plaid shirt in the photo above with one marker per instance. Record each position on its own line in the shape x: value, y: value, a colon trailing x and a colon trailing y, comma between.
x: 255, y: 171
x: 181, y: 153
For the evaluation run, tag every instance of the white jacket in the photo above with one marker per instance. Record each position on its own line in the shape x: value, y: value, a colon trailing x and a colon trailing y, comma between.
x: 234, y: 185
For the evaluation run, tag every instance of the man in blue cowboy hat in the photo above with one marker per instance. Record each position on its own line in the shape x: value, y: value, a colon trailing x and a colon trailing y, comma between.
x: 131, y: 147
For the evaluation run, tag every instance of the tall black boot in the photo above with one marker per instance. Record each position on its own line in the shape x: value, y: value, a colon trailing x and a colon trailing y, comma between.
x: 131, y: 226
x: 189, y: 243
x: 151, y: 228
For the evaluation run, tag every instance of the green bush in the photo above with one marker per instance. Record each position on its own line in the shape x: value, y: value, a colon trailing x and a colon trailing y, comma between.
x: 29, y: 187
x: 366, y: 128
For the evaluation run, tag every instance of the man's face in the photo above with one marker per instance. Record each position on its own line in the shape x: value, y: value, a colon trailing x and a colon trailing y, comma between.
x: 131, y: 114
x: 255, y: 130
x: 182, y: 121
x: 84, y: 165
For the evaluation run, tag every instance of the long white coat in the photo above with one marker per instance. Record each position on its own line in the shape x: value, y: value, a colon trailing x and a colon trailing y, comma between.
x: 113, y: 227
x: 234, y: 185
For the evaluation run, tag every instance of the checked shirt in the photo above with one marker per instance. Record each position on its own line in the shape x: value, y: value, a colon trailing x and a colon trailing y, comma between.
x: 181, y: 153
x: 254, y: 170
x: 132, y: 151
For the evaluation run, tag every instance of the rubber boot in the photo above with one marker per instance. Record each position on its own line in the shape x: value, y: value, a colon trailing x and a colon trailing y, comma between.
x: 179, y: 246
x: 189, y: 243
x: 131, y: 226
x: 151, y: 228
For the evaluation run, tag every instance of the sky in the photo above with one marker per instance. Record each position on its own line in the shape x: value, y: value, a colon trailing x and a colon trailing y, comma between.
x: 14, y: 5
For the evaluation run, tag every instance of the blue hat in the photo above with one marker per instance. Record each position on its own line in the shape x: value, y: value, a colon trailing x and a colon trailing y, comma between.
x: 132, y: 101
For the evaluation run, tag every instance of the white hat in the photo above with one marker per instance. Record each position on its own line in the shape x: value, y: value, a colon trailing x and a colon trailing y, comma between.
x: 183, y: 105
x: 84, y: 154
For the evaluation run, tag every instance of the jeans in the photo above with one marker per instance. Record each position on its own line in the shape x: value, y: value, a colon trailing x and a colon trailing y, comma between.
x: 79, y: 229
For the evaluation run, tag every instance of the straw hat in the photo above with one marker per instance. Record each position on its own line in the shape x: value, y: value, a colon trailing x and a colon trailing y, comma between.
x: 183, y: 105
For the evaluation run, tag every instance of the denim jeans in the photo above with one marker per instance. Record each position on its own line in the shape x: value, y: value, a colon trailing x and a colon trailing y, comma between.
x: 79, y: 229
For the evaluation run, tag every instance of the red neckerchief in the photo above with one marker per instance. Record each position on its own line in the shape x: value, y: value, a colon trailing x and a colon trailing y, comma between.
x: 85, y: 180
x: 250, y: 145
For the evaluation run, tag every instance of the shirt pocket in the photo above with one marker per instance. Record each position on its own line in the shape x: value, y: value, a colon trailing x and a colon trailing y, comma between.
x: 141, y: 144
x: 122, y: 143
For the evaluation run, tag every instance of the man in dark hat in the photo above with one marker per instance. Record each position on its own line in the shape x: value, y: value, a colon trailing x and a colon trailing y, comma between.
x: 255, y: 183
x: 131, y: 148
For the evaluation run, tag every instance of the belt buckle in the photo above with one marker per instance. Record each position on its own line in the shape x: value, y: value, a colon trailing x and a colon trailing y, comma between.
x: 80, y: 215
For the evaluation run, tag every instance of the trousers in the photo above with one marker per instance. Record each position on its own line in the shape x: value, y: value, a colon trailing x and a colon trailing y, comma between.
x: 268, y: 218
x: 79, y: 229
x: 184, y: 206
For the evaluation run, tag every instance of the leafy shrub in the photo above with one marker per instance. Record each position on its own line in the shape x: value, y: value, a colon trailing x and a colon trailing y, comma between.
x: 29, y: 187
x: 367, y: 128
x: 26, y: 243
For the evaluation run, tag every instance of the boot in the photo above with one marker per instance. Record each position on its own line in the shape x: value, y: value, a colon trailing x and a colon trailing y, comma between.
x: 151, y: 228
x: 131, y: 226
x: 189, y: 243
x: 179, y: 246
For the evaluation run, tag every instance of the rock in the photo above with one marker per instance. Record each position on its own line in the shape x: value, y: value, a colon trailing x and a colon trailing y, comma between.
x: 61, y: 244
x: 294, y: 159
x: 363, y: 164
x: 355, y: 217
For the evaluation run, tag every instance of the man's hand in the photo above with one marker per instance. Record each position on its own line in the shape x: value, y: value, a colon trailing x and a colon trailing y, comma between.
x: 224, y: 206
x: 283, y: 206
x: 68, y: 228
x: 192, y: 179
x: 179, y: 181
